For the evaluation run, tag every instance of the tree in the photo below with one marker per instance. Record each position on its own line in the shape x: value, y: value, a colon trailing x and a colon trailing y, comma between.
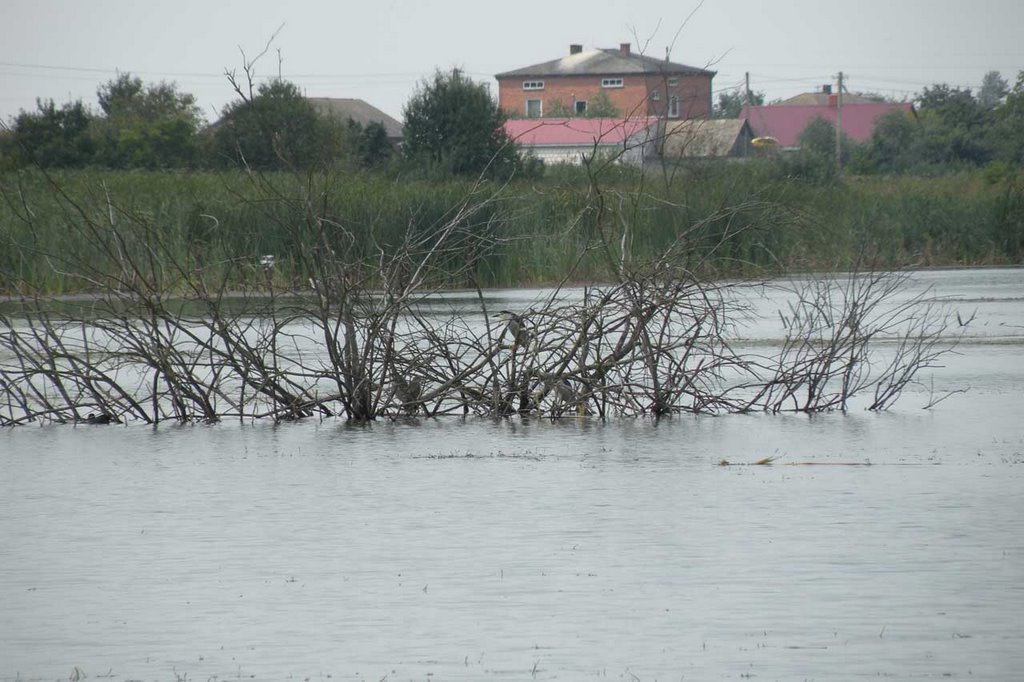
x: 8, y: 150
x: 277, y: 128
x: 993, y: 89
x: 730, y: 103
x: 452, y: 123
x: 954, y: 127
x: 147, y: 127
x: 556, y: 108
x: 53, y: 137
x: 367, y: 146
x: 891, y: 148
x: 1008, y: 131
x: 819, y: 137
x: 600, y: 106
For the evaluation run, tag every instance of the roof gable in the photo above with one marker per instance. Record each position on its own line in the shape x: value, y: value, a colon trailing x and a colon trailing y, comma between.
x: 705, y: 137
x: 535, y: 132
x: 605, y: 61
x: 786, y: 122
x: 358, y: 110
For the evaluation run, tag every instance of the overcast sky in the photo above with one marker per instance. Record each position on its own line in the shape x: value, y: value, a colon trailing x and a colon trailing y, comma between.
x: 379, y: 50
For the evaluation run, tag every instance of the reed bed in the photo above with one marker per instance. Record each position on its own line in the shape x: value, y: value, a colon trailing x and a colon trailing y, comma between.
x: 774, y: 222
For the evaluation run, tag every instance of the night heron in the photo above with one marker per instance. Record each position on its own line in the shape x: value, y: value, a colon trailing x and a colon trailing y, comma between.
x: 517, y: 328
x: 409, y: 392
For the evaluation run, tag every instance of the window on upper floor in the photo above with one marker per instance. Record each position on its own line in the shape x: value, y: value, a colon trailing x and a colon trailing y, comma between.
x: 673, y: 81
x: 655, y: 95
x: 533, y: 85
x: 611, y: 82
x: 534, y: 108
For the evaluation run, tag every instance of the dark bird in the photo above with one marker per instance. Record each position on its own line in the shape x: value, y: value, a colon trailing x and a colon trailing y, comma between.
x: 517, y: 328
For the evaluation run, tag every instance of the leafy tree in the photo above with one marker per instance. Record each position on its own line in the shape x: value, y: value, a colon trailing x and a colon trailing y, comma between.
x: 1008, y: 130
x: 819, y: 138
x: 600, y: 106
x: 8, y: 150
x: 149, y: 127
x: 876, y: 97
x: 891, y: 148
x: 126, y: 97
x: 276, y: 128
x: 730, y: 103
x: 367, y: 146
x: 556, y: 108
x: 993, y: 89
x: 955, y: 106
x: 953, y: 127
x: 452, y: 123
x: 53, y: 137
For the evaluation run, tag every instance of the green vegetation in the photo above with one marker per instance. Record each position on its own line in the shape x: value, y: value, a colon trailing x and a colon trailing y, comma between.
x: 453, y: 125
x: 273, y: 177
x: 737, y: 219
x: 951, y: 130
x: 731, y: 103
x: 145, y: 127
x: 277, y: 128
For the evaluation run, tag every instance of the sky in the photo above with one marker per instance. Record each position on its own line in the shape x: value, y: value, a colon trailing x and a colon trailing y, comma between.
x: 381, y: 50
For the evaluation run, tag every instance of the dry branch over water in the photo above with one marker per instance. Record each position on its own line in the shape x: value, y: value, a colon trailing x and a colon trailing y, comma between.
x: 168, y: 335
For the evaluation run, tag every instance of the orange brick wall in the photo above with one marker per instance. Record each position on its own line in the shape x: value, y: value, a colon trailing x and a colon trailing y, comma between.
x: 632, y: 99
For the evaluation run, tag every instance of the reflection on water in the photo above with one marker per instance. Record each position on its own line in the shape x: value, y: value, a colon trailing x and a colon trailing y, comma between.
x: 529, y: 549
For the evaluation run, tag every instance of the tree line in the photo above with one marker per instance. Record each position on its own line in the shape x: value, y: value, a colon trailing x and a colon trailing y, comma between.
x: 452, y: 126
x: 952, y: 128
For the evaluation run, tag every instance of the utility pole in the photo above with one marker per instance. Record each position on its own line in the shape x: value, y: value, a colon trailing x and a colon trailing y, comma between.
x: 839, y: 126
x: 747, y: 79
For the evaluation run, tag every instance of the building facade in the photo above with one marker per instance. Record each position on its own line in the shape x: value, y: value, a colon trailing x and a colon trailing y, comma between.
x: 606, y: 82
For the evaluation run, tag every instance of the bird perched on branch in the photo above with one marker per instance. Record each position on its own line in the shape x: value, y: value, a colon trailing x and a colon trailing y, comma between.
x: 518, y: 328
x: 409, y: 392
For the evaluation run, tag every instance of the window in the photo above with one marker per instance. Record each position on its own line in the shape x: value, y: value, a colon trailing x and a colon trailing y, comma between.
x: 655, y: 95
x: 672, y: 82
x: 673, y: 107
x: 533, y: 85
x: 580, y: 107
x: 534, y: 108
x: 611, y: 82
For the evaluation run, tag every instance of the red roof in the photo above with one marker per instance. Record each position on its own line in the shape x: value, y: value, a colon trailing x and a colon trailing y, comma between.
x: 786, y: 122
x: 575, y: 131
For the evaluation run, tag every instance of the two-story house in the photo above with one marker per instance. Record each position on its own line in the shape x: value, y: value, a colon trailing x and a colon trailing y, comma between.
x: 634, y: 84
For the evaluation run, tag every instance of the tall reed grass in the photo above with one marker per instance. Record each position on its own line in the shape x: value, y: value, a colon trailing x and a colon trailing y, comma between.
x: 736, y: 218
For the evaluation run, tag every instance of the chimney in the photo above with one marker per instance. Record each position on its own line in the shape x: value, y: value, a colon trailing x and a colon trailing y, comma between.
x: 826, y: 89
x: 624, y: 49
x: 575, y: 49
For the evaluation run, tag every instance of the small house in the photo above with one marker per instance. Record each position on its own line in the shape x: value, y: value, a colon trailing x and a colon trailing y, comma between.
x: 707, y: 139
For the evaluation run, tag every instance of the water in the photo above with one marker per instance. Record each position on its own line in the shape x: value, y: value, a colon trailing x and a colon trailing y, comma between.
x: 875, y: 545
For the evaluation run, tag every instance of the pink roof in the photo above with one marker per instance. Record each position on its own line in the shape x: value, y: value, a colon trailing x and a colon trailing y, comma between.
x: 786, y: 122
x: 575, y: 131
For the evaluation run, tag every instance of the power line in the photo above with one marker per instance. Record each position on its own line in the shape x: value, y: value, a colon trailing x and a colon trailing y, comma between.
x: 193, y: 74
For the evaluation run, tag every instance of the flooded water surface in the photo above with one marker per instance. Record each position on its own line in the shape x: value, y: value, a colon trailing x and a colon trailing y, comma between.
x: 874, y: 545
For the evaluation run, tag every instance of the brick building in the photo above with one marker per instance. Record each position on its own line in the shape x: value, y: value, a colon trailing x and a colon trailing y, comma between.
x: 636, y: 85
